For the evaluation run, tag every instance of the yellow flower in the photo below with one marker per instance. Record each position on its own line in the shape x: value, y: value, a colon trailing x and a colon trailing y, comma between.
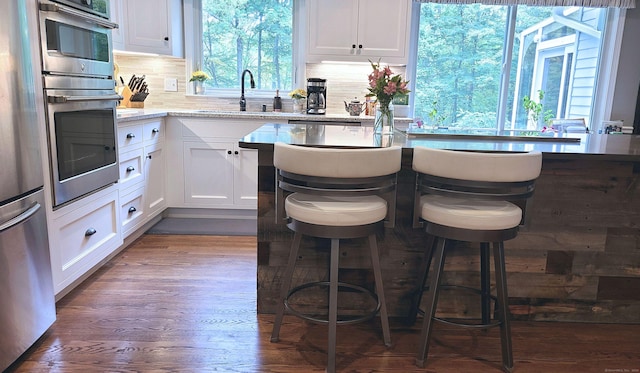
x: 298, y: 94
x: 199, y: 76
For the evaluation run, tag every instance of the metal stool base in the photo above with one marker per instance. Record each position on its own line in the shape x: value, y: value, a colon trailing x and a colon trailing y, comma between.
x: 354, y: 320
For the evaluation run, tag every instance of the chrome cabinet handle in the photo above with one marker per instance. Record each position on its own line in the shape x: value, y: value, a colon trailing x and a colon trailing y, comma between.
x: 155, y: 130
x: 132, y: 210
x: 90, y: 232
x: 130, y: 169
x: 130, y: 135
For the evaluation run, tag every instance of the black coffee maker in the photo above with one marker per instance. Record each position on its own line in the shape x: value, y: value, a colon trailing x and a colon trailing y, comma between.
x: 316, y: 96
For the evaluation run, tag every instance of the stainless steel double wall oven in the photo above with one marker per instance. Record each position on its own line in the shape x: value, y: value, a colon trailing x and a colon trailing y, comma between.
x: 77, y: 64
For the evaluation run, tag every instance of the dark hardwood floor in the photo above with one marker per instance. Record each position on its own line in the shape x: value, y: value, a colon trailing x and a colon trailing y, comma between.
x: 188, y: 304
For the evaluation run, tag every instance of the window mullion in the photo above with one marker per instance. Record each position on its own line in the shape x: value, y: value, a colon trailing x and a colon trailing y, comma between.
x: 507, y: 56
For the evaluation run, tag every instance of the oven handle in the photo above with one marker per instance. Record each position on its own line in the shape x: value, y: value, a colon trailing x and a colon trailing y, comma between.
x: 65, y: 99
x: 53, y: 7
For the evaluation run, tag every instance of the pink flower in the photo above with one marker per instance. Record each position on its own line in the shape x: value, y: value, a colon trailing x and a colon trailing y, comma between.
x: 390, y: 88
x: 383, y: 85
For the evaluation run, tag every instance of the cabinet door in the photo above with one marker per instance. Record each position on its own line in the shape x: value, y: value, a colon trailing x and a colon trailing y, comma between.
x: 383, y: 28
x: 148, y: 27
x: 245, y: 177
x: 208, y: 173
x: 358, y: 30
x: 333, y: 27
x: 154, y: 167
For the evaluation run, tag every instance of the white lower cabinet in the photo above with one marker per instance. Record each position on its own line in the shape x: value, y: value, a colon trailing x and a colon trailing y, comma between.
x: 219, y: 174
x: 207, y: 168
x: 83, y: 234
x: 142, y: 172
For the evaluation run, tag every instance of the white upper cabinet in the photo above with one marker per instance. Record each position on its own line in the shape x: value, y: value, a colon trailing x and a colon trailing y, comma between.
x: 148, y: 26
x: 117, y: 16
x: 358, y: 30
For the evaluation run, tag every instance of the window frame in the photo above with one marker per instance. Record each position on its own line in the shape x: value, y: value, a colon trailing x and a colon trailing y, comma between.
x: 193, y: 51
x: 604, y: 81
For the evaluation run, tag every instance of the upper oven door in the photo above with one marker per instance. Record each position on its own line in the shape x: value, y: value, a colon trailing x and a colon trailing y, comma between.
x: 75, y: 42
x: 97, y: 7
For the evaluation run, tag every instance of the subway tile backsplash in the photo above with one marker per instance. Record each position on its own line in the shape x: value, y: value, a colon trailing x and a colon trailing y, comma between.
x: 344, y: 82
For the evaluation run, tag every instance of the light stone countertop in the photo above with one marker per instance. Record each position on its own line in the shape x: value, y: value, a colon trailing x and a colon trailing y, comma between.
x: 125, y: 115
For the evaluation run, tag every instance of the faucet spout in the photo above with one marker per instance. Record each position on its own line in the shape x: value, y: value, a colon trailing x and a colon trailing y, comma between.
x: 243, y: 102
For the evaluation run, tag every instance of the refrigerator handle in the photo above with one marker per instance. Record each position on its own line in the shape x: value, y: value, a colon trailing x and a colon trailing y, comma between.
x: 20, y: 218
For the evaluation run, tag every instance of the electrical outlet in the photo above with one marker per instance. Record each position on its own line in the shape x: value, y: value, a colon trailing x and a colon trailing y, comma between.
x: 171, y: 84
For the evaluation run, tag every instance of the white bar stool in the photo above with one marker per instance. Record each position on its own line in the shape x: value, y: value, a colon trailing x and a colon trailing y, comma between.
x: 335, y: 193
x: 472, y: 197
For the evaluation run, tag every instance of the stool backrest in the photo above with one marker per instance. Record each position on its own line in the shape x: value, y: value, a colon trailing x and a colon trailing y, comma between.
x: 336, y: 171
x: 477, y: 166
x: 480, y: 175
x: 337, y: 162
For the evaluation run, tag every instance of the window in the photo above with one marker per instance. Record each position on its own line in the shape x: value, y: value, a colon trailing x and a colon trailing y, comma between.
x: 478, y: 64
x: 247, y: 34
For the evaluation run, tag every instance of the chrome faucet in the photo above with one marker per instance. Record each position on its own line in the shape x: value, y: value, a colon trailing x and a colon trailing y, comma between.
x: 243, y: 102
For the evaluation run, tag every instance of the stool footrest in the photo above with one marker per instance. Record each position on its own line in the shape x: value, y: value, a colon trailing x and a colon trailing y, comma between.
x: 355, y: 319
x: 463, y: 324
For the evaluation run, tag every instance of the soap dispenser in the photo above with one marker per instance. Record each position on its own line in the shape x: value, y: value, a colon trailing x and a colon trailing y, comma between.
x: 277, y: 102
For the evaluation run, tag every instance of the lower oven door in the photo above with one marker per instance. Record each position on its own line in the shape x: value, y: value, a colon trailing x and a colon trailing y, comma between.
x: 82, y: 140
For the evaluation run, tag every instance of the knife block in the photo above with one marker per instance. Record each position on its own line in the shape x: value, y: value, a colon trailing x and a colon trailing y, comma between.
x: 126, y: 100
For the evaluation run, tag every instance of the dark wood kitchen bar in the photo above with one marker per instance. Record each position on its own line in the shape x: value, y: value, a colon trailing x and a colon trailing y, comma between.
x: 576, y: 257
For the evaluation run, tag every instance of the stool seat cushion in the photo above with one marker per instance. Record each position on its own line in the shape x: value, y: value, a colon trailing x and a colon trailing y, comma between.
x: 335, y: 210
x: 469, y: 213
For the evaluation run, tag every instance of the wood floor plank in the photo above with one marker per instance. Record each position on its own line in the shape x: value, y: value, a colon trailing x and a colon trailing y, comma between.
x: 188, y: 304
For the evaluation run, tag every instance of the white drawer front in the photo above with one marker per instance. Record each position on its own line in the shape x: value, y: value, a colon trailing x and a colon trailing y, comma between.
x: 129, y: 136
x: 131, y: 168
x: 131, y: 211
x: 153, y: 132
x: 84, y: 234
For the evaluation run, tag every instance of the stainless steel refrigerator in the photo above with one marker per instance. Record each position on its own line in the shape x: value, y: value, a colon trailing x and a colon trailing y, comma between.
x: 27, y: 304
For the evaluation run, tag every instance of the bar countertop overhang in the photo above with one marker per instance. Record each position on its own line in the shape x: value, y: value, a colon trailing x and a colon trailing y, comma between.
x: 612, y: 147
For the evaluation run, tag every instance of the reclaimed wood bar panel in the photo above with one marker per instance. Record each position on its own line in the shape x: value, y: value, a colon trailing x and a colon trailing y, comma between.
x: 576, y: 258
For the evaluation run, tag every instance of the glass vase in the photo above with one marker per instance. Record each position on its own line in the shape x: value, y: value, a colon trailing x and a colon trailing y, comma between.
x: 198, y: 87
x: 298, y: 105
x: 383, y: 123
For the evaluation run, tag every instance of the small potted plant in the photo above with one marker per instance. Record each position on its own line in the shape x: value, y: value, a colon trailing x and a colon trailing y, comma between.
x: 535, y: 113
x: 298, y: 95
x: 198, y: 78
